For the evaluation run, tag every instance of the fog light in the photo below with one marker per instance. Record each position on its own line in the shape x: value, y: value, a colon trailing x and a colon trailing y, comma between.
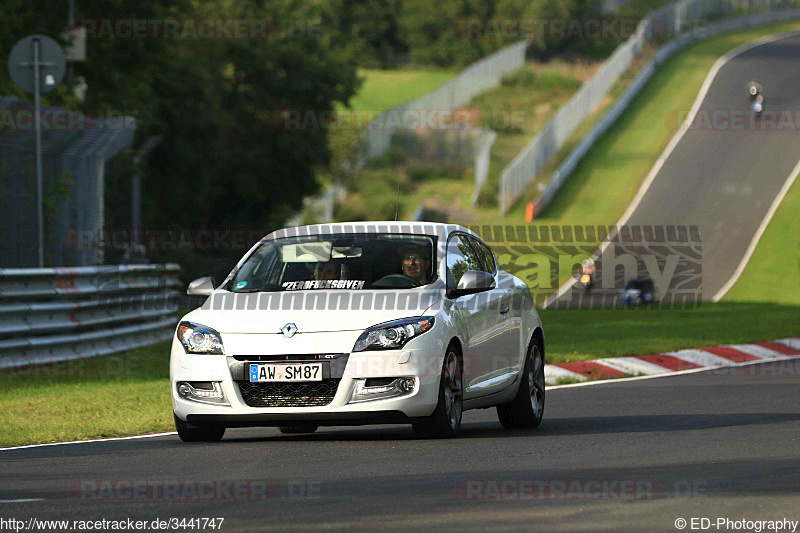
x: 407, y: 384
x: 202, y: 391
x: 396, y: 387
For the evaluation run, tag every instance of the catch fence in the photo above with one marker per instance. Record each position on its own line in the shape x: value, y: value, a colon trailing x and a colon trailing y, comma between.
x: 75, y: 150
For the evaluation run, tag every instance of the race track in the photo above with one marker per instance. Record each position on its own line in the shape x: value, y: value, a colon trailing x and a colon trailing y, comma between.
x: 615, y: 455
x: 727, y: 168
x: 633, y: 455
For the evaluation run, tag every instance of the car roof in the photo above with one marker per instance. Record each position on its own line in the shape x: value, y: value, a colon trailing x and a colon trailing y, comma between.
x: 436, y: 229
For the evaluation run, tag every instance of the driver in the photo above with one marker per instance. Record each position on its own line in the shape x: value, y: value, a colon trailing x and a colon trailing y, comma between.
x: 415, y: 261
x: 326, y: 271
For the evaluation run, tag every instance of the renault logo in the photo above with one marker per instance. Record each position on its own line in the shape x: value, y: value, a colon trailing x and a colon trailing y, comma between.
x: 289, y: 330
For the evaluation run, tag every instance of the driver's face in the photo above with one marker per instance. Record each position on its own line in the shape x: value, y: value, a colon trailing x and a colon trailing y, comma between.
x: 415, y: 265
x: 327, y: 271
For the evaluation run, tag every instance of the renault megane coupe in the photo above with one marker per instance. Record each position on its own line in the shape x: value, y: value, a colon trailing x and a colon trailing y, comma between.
x: 359, y: 323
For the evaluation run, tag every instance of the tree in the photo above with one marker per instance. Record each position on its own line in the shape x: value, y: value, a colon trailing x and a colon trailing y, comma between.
x: 224, y: 158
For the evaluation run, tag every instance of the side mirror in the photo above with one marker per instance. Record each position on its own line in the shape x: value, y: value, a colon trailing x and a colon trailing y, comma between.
x: 201, y: 287
x: 471, y: 282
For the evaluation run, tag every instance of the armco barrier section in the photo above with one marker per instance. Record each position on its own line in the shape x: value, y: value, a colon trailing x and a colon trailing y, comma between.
x: 57, y: 314
x: 579, y: 152
x: 665, y: 21
x: 479, y: 77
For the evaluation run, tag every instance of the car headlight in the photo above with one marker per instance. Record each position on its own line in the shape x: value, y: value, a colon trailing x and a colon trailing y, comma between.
x: 197, y: 338
x: 394, y: 334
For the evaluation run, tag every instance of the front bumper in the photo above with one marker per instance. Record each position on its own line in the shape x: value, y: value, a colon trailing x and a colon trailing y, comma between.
x: 419, y: 360
x: 353, y: 418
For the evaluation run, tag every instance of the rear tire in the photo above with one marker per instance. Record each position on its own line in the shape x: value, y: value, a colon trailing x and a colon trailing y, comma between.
x: 197, y: 434
x: 527, y: 408
x: 297, y: 428
x: 445, y: 422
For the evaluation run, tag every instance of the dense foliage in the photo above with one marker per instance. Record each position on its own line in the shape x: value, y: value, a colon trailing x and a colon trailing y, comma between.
x: 224, y: 159
x: 459, y: 32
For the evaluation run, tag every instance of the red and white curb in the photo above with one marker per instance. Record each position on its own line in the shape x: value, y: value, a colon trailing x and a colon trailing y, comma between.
x: 665, y: 363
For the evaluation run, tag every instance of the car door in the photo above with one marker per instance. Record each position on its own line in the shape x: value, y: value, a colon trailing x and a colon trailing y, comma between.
x: 467, y: 311
x: 477, y: 323
x: 506, y: 342
x: 503, y: 328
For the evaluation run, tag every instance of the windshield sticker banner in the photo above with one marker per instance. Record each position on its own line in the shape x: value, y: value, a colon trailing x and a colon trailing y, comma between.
x: 324, y: 284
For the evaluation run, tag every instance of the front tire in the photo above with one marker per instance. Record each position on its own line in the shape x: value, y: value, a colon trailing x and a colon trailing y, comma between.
x: 526, y: 410
x: 445, y: 422
x: 197, y: 434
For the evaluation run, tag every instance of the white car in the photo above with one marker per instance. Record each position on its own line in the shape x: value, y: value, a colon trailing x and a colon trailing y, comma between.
x: 359, y: 323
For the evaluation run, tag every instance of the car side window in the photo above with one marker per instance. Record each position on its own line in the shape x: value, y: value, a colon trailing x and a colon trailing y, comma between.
x: 460, y: 258
x: 485, y: 254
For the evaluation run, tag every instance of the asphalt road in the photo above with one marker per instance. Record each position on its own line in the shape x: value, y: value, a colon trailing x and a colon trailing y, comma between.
x: 617, y: 455
x: 728, y: 167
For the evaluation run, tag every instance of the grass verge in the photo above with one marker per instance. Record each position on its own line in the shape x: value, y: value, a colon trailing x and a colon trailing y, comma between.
x: 773, y: 272
x: 583, y: 334
x: 110, y: 396
x: 385, y: 89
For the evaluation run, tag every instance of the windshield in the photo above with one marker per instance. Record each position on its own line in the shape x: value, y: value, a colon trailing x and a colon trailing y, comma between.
x: 338, y: 261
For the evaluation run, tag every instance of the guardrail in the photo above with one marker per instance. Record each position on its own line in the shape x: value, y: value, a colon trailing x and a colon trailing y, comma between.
x: 667, y: 20
x: 56, y: 314
x: 479, y: 77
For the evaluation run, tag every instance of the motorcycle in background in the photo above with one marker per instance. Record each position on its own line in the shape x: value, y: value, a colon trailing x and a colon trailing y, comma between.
x: 587, y: 274
x: 754, y: 89
x: 758, y: 105
x: 756, y: 93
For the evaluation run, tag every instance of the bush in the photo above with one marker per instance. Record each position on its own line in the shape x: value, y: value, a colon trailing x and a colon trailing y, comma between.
x: 524, y: 77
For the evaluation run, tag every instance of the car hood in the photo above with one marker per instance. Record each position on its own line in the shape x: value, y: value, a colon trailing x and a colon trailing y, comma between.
x: 310, y: 311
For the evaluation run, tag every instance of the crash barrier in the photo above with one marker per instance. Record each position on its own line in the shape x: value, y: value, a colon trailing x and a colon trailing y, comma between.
x: 481, y: 76
x: 671, y: 19
x: 57, y: 314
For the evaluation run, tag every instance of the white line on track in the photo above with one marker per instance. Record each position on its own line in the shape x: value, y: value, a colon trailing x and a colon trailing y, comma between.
x: 757, y: 237
x: 651, y: 176
x: 23, y: 500
x: 88, y: 441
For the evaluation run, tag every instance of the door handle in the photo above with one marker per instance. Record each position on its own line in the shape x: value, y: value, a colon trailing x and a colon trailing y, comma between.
x: 504, y: 310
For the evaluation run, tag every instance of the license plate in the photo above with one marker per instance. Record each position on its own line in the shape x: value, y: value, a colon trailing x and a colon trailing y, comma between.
x: 286, y: 372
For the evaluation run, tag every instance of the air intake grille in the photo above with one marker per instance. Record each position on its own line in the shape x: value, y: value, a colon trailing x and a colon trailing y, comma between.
x: 289, y: 394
